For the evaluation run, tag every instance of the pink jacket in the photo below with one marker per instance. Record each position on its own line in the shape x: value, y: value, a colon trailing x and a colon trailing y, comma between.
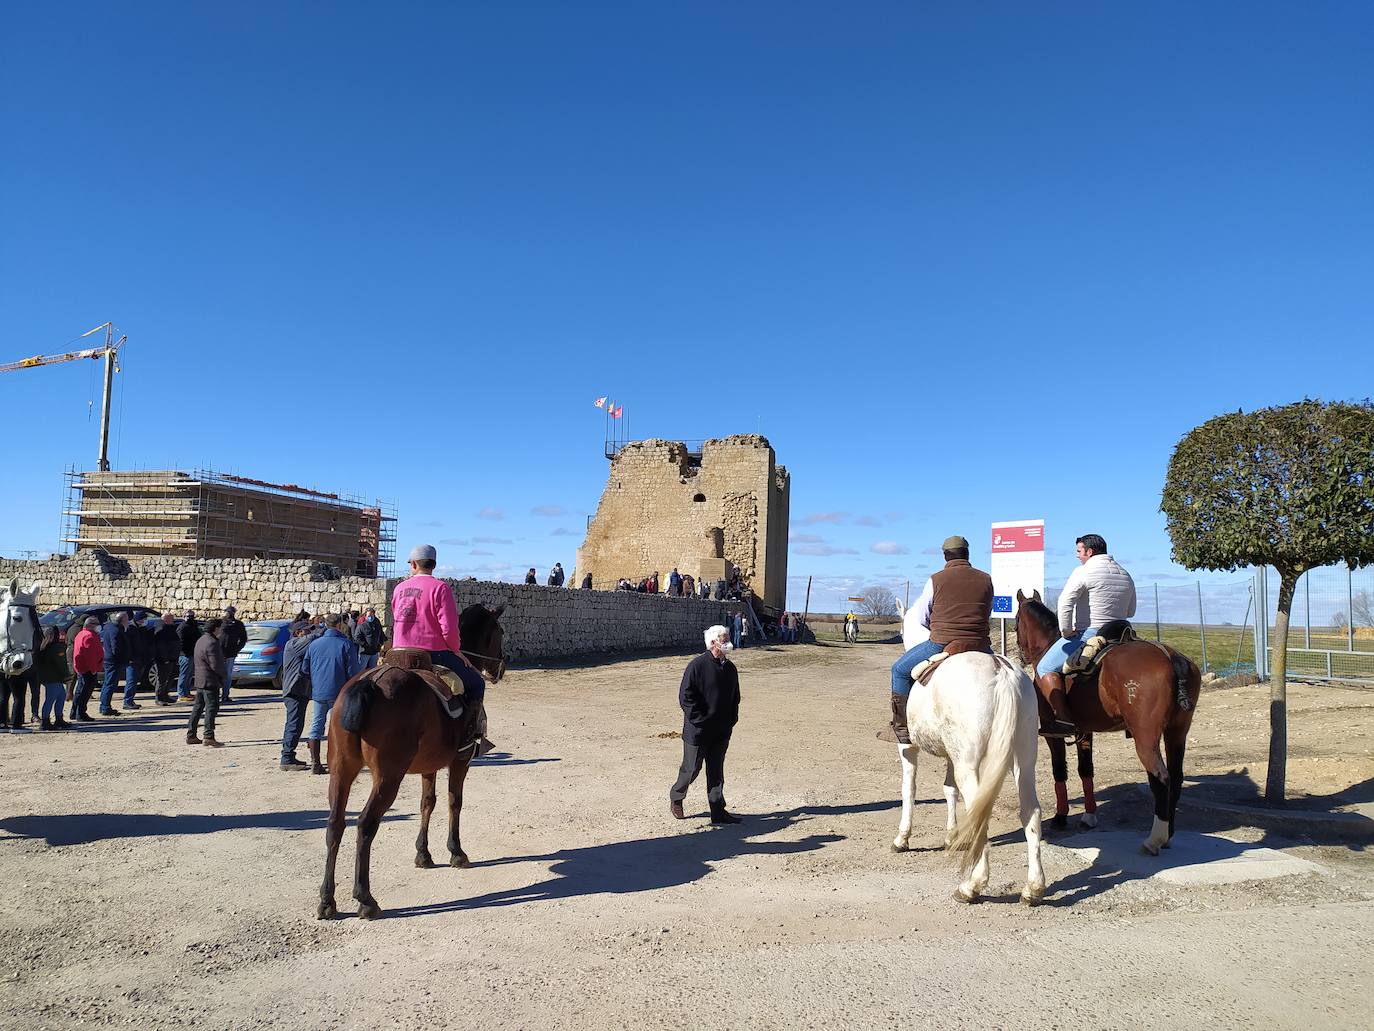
x: 87, y: 654
x: 424, y: 615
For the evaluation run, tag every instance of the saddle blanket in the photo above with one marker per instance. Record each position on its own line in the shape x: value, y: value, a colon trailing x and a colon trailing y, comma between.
x: 417, y: 661
x: 925, y: 670
x: 1087, y: 658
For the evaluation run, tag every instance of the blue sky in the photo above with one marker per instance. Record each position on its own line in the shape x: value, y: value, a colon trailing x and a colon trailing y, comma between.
x: 958, y: 264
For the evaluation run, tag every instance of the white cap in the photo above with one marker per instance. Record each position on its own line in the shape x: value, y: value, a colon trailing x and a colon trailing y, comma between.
x: 424, y: 553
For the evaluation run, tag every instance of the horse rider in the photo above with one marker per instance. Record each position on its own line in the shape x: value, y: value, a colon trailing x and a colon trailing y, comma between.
x: 425, y: 616
x: 1096, y: 593
x: 955, y: 605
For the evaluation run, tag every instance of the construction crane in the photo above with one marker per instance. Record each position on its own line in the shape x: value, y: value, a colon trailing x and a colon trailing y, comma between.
x: 108, y: 353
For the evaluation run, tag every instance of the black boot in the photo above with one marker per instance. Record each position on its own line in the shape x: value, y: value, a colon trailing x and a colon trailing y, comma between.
x: 719, y: 814
x: 315, y: 765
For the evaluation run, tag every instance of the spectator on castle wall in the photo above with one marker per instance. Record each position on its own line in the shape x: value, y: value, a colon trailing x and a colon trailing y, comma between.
x: 368, y: 635
x: 587, y: 582
x: 674, y: 584
x: 232, y: 639
x: 530, y: 579
x: 114, y: 642
x: 166, y: 651
x: 556, y: 575
x: 140, y: 659
x: 210, y: 671
x: 689, y: 586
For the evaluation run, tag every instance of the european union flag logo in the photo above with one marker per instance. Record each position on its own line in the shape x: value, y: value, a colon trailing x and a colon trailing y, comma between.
x: 1001, y: 603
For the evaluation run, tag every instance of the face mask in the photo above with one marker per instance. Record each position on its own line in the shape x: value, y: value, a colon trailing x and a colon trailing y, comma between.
x: 727, y: 646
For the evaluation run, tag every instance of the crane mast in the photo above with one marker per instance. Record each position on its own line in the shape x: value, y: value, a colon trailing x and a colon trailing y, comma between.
x: 107, y: 352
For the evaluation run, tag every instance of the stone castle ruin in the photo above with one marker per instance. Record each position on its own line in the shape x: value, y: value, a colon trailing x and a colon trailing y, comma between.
x: 666, y: 504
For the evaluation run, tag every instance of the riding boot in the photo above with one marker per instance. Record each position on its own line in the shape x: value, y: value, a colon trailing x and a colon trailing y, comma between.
x: 1051, y: 687
x: 896, y: 731
x: 315, y: 765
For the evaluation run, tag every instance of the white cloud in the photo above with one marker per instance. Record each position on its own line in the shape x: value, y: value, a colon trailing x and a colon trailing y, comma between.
x: 889, y: 548
x: 825, y: 517
x: 822, y: 550
x: 491, y: 513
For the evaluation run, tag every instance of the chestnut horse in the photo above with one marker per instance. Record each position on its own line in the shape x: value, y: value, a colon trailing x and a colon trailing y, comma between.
x: 407, y: 733
x: 1147, y: 689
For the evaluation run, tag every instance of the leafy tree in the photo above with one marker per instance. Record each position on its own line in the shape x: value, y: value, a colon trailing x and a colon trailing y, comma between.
x: 877, y: 601
x: 1290, y: 487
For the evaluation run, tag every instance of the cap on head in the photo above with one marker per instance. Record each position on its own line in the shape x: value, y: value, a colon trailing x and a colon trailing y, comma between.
x: 954, y: 543
x: 423, y: 553
x: 299, y: 625
x: 91, y: 621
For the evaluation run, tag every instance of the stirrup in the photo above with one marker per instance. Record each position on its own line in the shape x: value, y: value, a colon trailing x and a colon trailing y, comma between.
x: 1060, y: 728
x: 454, y: 706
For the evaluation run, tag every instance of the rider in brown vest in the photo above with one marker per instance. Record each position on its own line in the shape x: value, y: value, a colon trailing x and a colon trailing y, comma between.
x: 956, y: 605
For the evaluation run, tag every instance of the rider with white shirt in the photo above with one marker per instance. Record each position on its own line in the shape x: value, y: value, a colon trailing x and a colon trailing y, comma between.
x: 1096, y: 593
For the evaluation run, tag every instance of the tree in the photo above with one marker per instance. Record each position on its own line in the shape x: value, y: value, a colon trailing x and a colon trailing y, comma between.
x: 1290, y: 487
x: 1339, y: 622
x: 877, y: 601
x: 1362, y: 609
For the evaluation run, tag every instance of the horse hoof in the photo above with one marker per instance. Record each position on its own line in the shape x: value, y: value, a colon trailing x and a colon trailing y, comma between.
x: 966, y: 897
x: 1030, y: 898
x: 1149, y: 848
x: 327, y: 911
x: 900, y: 846
x: 1059, y: 821
x: 369, y: 911
x: 424, y: 861
x: 459, y: 862
x: 1088, y: 821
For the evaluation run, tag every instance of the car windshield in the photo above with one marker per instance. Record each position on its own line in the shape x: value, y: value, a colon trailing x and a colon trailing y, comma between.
x: 262, y: 634
x: 56, y: 617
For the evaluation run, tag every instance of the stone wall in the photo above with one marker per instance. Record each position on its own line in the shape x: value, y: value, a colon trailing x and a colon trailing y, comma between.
x: 540, y: 622
x: 663, y: 508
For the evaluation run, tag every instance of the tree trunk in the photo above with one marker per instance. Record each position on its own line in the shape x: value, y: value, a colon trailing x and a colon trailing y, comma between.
x: 1277, y: 776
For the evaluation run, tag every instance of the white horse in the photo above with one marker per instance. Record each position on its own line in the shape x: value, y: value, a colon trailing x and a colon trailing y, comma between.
x: 851, y: 631
x: 978, y: 714
x: 19, y: 632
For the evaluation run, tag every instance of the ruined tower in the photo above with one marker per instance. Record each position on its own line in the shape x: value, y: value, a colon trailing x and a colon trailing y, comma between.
x: 668, y: 505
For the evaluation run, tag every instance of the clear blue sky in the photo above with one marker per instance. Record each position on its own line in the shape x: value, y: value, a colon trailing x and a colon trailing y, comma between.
x: 960, y: 262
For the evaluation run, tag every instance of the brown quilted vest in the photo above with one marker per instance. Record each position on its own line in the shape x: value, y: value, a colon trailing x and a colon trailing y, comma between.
x: 962, y: 605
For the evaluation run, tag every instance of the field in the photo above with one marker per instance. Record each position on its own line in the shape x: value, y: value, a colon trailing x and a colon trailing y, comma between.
x: 158, y: 885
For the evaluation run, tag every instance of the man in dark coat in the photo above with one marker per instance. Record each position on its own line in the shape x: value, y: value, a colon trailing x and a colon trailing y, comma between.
x: 188, y: 633
x: 709, y: 697
x: 367, y: 635
x: 295, y: 690
x: 232, y: 639
x: 210, y: 668
x: 140, y: 659
x: 166, y: 651
x: 114, y: 639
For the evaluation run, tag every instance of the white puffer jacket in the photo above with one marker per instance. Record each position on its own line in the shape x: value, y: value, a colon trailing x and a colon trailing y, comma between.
x: 1097, y: 592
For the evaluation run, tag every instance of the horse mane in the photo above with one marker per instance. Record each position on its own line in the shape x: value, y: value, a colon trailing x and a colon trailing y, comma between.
x: 1043, y: 616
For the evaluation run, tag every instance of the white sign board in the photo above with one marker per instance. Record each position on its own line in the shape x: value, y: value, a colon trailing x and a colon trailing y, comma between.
x: 1018, y: 563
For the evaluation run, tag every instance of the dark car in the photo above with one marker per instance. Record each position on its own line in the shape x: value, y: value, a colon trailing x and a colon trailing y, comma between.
x: 64, y: 616
x: 261, y: 656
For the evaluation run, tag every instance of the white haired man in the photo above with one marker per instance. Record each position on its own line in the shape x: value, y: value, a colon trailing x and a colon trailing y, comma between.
x: 709, y: 697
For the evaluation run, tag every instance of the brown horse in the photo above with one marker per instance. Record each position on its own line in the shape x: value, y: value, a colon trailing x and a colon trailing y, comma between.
x: 406, y: 733
x: 1147, y: 689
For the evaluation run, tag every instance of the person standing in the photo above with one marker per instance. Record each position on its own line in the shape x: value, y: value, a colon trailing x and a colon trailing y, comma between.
x: 88, y: 659
x: 51, y: 669
x: 587, y: 582
x: 114, y: 639
x: 709, y: 696
x: 188, y: 633
x: 1096, y: 593
x: 556, y: 575
x: 140, y: 659
x: 295, y: 692
x: 956, y: 606
x: 166, y: 650
x: 530, y: 579
x: 210, y: 670
x: 736, y: 629
x: 330, y: 662
x: 368, y: 635
x: 233, y: 638
x: 674, y: 584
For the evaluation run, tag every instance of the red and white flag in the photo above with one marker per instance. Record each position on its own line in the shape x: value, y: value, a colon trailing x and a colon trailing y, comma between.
x: 601, y: 402
x: 615, y: 412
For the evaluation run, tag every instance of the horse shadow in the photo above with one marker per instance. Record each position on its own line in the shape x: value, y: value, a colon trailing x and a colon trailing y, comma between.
x: 508, y: 759
x: 648, y: 864
x: 86, y: 828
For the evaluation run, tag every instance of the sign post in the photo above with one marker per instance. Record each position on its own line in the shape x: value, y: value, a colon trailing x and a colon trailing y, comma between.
x: 1018, y: 564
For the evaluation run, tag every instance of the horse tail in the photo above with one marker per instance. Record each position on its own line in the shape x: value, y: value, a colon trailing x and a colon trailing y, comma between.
x: 1186, y: 677
x: 971, y: 836
x: 354, y: 705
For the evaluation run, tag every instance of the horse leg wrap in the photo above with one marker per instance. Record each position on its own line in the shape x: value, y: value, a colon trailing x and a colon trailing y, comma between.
x: 1089, y: 800
x: 1061, y: 798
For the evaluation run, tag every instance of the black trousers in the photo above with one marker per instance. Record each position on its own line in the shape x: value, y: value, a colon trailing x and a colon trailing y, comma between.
x: 711, y: 755
x: 86, y: 684
x: 295, y: 723
x: 164, y: 673
x: 12, y: 699
x: 207, y: 702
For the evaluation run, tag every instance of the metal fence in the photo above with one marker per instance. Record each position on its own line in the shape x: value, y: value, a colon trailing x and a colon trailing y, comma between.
x: 1216, y: 623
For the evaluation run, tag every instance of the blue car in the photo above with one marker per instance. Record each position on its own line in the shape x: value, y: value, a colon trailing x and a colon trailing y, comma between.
x: 261, y: 656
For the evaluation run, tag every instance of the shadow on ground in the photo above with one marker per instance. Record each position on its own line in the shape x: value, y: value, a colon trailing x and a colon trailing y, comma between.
x: 649, y: 864
x: 84, y: 828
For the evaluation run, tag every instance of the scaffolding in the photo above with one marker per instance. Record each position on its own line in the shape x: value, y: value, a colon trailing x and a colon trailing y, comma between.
x: 203, y: 514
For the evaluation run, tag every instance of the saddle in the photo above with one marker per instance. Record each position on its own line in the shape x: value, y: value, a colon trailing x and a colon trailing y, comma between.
x: 443, y: 682
x: 1086, y: 660
x: 925, y: 670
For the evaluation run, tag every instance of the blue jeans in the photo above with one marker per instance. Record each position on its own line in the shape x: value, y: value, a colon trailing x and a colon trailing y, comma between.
x: 901, y: 669
x: 132, y: 675
x: 185, y: 669
x: 107, y: 686
x: 370, y: 661
x: 228, y: 678
x: 734, y: 635
x: 474, y: 687
x: 295, y: 722
x: 53, y: 697
x: 319, y: 716
x: 1061, y: 651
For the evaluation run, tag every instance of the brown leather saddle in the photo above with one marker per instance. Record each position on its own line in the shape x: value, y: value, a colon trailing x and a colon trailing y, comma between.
x: 443, y: 682
x: 925, y: 670
x: 1087, y: 661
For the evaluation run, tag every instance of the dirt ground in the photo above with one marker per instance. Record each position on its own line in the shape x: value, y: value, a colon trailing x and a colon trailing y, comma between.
x: 152, y: 884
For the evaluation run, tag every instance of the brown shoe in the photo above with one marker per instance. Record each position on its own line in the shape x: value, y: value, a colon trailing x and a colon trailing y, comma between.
x: 210, y: 742
x: 191, y: 738
x: 896, y: 731
x: 316, y: 766
x: 676, y: 809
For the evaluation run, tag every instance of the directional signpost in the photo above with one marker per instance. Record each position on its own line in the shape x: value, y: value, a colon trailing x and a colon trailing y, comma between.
x: 1018, y: 564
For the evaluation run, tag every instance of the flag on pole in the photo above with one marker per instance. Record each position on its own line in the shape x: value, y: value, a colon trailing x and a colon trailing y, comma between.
x: 601, y: 402
x: 615, y: 412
